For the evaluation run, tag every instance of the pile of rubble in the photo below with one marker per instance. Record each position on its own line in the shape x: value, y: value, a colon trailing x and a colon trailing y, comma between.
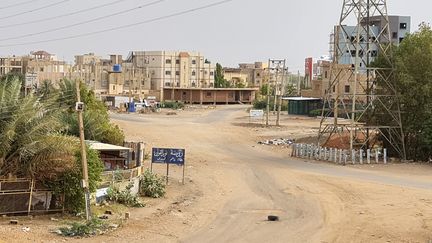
x: 278, y: 142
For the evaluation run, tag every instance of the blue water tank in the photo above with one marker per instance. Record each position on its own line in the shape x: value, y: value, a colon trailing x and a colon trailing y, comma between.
x: 117, y: 68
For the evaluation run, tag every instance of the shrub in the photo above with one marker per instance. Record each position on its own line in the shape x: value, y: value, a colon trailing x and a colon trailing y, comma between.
x: 260, y: 104
x: 152, y: 185
x: 314, y: 113
x: 124, y: 197
x: 69, y: 182
x: 172, y: 105
x: 92, y: 227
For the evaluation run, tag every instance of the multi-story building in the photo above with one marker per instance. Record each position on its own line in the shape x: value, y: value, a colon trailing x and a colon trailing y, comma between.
x: 36, y: 67
x: 175, y: 69
x: 247, y: 75
x: 11, y: 64
x: 346, y: 55
x: 399, y: 27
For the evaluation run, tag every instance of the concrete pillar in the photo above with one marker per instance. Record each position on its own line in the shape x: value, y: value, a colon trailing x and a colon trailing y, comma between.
x: 214, y: 97
x: 345, y: 157
x: 340, y: 156
x: 361, y: 156
x: 376, y: 156
x: 325, y: 154
x: 385, y: 156
x: 368, y: 156
x: 353, y: 156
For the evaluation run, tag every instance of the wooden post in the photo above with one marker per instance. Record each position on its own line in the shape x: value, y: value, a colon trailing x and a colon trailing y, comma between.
x: 83, y: 153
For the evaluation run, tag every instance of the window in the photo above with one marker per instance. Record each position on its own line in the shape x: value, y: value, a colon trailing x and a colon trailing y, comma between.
x: 193, y: 73
x: 194, y: 62
x: 177, y: 73
x: 205, y: 72
x: 193, y: 85
x: 394, y: 35
x: 113, y: 87
x: 167, y: 84
x: 403, y: 26
x: 41, y: 69
x: 178, y: 61
x: 326, y: 74
x: 334, y: 89
x: 211, y: 73
x: 168, y: 61
x: 168, y: 73
x: 258, y: 74
x: 347, y: 88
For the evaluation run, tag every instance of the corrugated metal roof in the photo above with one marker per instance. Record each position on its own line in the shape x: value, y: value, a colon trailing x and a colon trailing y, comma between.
x: 105, y: 146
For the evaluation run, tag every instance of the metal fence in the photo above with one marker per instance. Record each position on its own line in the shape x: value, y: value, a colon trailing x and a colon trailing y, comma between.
x: 28, y: 196
x: 339, y: 156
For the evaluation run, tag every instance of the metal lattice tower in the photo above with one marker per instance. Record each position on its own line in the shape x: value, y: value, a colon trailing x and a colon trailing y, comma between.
x: 361, y: 102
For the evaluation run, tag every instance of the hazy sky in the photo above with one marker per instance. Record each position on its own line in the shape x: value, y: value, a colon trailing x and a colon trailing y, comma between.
x: 235, y: 32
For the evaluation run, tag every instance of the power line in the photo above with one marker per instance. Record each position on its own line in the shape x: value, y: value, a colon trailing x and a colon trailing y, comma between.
x: 62, y: 15
x: 85, y: 22
x: 34, y: 10
x: 17, y: 4
x: 123, y: 26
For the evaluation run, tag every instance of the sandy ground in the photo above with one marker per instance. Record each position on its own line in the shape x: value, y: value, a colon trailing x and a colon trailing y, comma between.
x: 233, y: 184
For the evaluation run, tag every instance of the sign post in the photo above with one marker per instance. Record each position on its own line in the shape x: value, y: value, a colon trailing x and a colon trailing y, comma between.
x: 169, y: 156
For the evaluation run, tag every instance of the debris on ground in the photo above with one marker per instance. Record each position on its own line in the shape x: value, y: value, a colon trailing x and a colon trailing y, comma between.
x: 272, y: 218
x: 278, y: 142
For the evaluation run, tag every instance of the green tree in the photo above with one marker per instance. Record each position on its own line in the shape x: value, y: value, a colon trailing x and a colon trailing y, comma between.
x: 96, y: 120
x: 220, y: 81
x: 30, y: 144
x: 413, y: 81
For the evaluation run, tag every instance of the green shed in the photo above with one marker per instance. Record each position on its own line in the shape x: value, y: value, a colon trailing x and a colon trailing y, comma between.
x: 303, y: 105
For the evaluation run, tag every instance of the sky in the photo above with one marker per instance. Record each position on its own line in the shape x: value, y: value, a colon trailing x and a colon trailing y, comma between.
x: 237, y: 31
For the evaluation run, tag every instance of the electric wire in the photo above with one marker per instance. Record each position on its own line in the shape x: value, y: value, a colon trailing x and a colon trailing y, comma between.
x: 17, y: 4
x: 34, y: 10
x: 180, y: 13
x: 85, y: 22
x: 62, y: 15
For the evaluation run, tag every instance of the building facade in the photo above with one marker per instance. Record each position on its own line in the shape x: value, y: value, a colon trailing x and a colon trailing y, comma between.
x: 175, y: 69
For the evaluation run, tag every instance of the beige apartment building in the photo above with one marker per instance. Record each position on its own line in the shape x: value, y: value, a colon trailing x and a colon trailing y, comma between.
x: 248, y: 74
x: 175, y: 69
x: 36, y: 67
x: 143, y: 73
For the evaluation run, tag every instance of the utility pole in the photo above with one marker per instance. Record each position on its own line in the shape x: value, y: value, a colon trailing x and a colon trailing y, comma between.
x: 281, y: 91
x: 79, y: 107
x: 268, y: 93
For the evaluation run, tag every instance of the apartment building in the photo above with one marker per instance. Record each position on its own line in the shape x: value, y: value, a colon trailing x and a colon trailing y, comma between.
x: 246, y: 75
x: 399, y: 27
x: 36, y: 67
x: 175, y: 69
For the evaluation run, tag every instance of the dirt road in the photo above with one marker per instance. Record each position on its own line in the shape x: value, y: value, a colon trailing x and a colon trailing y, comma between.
x: 233, y: 184
x: 236, y: 184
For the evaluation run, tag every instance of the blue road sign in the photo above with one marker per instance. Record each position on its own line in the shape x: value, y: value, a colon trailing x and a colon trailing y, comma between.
x: 168, y: 156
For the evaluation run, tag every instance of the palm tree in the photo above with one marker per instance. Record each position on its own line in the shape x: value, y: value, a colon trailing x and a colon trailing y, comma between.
x: 30, y: 142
